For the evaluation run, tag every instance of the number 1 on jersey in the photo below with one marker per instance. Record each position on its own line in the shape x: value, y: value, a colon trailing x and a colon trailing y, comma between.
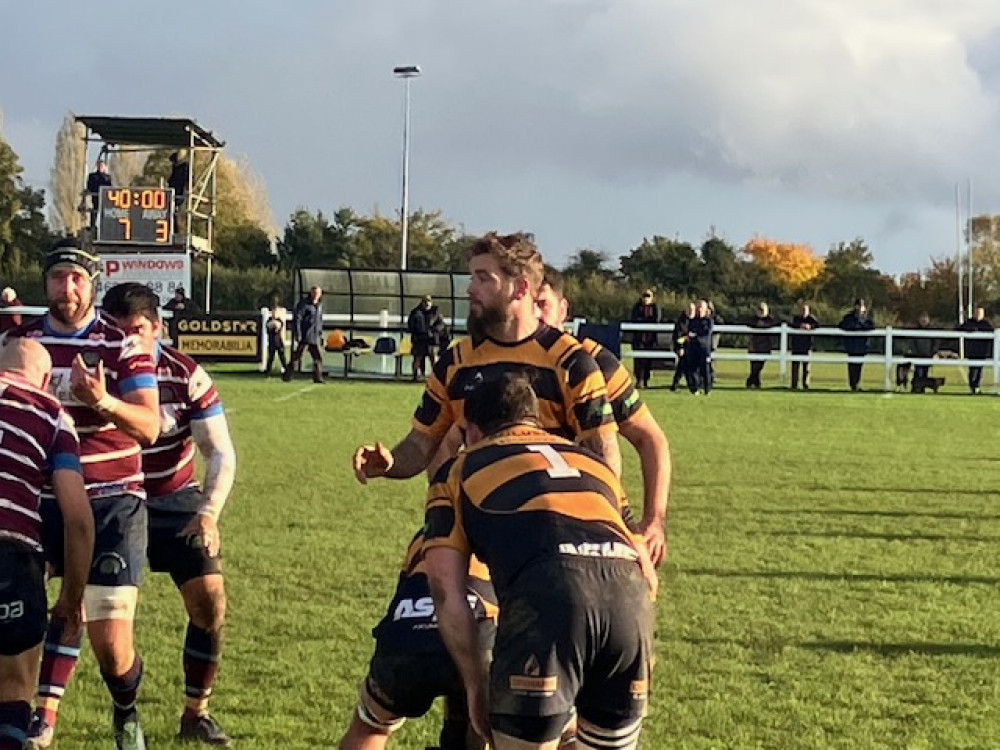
x: 558, y: 468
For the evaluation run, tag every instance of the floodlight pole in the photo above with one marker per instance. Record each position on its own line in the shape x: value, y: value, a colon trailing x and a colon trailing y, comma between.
x: 406, y: 72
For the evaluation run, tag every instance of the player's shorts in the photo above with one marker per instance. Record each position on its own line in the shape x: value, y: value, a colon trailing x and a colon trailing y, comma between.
x: 23, y: 610
x: 402, y: 685
x: 119, y: 541
x: 184, y: 558
x: 573, y: 632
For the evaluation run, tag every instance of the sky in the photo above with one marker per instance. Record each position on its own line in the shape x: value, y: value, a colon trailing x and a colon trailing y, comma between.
x: 592, y: 123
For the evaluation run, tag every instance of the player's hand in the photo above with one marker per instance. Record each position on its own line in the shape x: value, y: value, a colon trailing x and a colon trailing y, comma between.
x: 371, y: 462
x: 656, y: 541
x: 87, y: 387
x: 479, y: 712
x: 71, y: 615
x: 648, y: 570
x: 203, y: 531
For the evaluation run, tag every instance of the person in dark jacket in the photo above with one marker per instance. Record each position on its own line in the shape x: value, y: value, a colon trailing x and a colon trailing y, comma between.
x: 679, y: 340
x: 95, y: 181
x: 644, y: 311
x: 275, y: 328
x: 421, y: 337
x: 699, y: 345
x: 717, y: 320
x: 760, y: 343
x: 309, y: 334
x: 856, y: 346
x: 801, y: 345
x: 922, y: 348
x: 977, y: 348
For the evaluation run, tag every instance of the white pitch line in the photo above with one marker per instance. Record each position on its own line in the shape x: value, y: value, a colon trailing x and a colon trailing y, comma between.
x: 297, y: 393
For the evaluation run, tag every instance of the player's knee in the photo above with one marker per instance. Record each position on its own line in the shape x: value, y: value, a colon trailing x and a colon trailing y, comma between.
x: 205, y: 600
x: 112, y: 644
x: 624, y: 736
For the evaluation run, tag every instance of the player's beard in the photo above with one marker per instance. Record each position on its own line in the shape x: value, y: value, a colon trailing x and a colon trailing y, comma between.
x: 71, y: 312
x: 488, y: 321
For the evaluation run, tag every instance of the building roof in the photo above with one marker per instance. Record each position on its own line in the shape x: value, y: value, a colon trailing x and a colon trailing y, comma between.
x: 169, y: 132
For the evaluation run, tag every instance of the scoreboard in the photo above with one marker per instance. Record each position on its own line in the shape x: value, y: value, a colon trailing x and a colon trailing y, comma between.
x: 136, y: 216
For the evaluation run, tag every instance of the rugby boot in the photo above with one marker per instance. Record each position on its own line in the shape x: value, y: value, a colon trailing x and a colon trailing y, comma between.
x: 128, y: 733
x: 40, y: 733
x: 203, y: 729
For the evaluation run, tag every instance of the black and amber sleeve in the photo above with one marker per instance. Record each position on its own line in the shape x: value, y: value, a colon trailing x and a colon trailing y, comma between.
x: 442, y: 511
x: 625, y: 400
x: 588, y: 408
x: 436, y: 414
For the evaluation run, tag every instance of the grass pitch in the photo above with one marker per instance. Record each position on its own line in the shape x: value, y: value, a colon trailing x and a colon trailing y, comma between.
x: 832, y: 577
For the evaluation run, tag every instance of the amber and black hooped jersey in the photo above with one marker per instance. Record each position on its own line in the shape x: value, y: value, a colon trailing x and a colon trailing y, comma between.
x: 526, y: 496
x: 572, y: 395
x: 410, y: 623
x: 625, y: 400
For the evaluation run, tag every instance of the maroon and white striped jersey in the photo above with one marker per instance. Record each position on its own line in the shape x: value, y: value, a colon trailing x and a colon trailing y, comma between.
x: 112, y: 460
x: 36, y: 438
x: 186, y: 393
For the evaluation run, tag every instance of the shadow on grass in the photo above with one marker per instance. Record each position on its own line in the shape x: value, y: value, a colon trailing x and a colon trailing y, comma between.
x: 800, y: 575
x: 881, y: 537
x: 979, y: 650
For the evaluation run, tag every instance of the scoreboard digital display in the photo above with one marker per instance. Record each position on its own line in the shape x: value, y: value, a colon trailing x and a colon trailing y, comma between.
x: 136, y: 216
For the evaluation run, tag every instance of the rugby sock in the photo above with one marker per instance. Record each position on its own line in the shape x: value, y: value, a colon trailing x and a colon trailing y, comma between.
x: 124, y: 689
x: 201, y: 664
x: 14, y: 719
x: 58, y: 662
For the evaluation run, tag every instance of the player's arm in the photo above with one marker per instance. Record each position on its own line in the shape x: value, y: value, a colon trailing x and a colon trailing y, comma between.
x: 211, y: 435
x: 651, y: 444
x: 137, y: 412
x: 78, y: 524
x: 590, y: 414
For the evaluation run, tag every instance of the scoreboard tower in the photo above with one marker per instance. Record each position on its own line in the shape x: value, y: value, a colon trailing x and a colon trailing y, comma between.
x: 146, y: 232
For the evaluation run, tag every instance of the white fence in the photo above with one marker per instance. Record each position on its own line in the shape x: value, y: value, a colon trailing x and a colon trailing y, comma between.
x: 782, y: 354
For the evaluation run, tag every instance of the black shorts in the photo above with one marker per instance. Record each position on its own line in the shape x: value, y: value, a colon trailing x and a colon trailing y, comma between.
x: 571, y: 633
x: 23, y: 608
x: 183, y: 558
x: 406, y: 685
x: 119, y: 542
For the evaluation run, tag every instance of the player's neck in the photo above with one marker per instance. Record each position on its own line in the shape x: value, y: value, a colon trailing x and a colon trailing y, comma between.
x: 58, y: 326
x: 518, y: 328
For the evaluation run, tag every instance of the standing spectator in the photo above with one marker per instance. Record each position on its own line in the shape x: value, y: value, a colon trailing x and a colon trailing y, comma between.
x: 421, y: 339
x: 700, y: 330
x: 8, y: 298
x: 977, y: 348
x: 679, y: 338
x: 801, y: 345
x: 180, y: 174
x: 308, y: 329
x: 95, y: 181
x: 717, y: 320
x: 276, y: 337
x: 178, y: 305
x: 760, y: 343
x: 644, y: 311
x: 856, y: 346
x: 39, y: 433
x: 440, y: 336
x: 922, y: 348
x: 106, y: 381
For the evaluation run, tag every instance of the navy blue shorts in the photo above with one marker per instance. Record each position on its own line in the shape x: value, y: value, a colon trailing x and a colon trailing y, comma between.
x: 23, y: 611
x: 184, y: 558
x: 119, y: 544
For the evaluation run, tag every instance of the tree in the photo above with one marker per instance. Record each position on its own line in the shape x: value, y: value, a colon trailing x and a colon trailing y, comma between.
x: 68, y: 177
x: 791, y: 265
x: 671, y: 265
x: 985, y: 244
x: 585, y: 263
x: 849, y: 274
x: 125, y: 167
x: 10, y: 195
x: 30, y: 233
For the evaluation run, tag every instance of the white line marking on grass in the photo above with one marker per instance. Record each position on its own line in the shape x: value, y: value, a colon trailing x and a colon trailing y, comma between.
x: 297, y: 393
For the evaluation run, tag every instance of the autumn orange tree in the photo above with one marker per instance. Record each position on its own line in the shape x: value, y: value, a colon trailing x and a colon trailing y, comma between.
x: 791, y: 265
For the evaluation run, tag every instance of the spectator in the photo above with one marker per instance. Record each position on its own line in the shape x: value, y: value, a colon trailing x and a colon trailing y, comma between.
x: 421, y: 337
x: 276, y: 337
x: 920, y: 348
x: 180, y: 174
x: 699, y: 344
x: 679, y: 339
x: 801, y: 345
x: 644, y: 311
x: 856, y: 346
x: 760, y: 343
x: 8, y: 298
x: 178, y: 305
x: 440, y: 335
x: 717, y: 320
x: 309, y: 333
x: 95, y: 181
x: 977, y: 348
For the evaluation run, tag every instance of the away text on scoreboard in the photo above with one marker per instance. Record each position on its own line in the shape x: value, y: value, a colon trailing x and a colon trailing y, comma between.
x: 139, y: 216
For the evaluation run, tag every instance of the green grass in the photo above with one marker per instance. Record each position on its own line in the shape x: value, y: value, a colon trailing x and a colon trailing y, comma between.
x: 832, y: 577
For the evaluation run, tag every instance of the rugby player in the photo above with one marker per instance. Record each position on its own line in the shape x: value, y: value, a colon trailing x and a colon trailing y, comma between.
x: 38, y: 447
x: 575, y: 586
x: 411, y: 666
x: 184, y: 538
x: 107, y: 384
x: 505, y: 336
x: 635, y: 422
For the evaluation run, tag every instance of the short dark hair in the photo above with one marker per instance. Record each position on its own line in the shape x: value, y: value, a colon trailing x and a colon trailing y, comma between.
x: 555, y: 280
x: 502, y: 402
x: 131, y: 298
